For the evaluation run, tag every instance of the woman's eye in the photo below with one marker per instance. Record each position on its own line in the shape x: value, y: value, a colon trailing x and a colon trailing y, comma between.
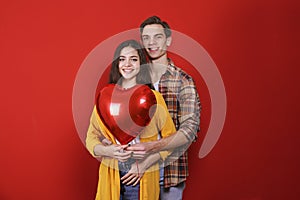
x: 134, y: 59
x: 121, y: 59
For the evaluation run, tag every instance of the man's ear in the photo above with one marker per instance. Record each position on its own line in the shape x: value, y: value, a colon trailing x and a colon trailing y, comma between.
x: 169, y: 41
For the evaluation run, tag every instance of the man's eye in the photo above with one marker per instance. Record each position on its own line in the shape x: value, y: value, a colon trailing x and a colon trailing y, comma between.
x: 145, y: 38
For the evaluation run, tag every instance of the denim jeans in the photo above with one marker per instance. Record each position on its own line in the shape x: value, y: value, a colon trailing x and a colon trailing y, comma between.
x: 172, y: 193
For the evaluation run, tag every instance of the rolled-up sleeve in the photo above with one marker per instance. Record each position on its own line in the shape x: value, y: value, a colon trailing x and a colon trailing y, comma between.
x: 190, y: 107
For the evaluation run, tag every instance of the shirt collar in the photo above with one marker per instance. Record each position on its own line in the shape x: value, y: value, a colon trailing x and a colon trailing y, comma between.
x: 170, y: 67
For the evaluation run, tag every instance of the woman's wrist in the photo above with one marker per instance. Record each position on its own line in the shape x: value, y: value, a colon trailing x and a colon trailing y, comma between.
x: 100, y: 150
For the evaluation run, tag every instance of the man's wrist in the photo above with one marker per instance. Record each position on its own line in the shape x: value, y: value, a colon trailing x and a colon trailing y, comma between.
x: 156, y: 146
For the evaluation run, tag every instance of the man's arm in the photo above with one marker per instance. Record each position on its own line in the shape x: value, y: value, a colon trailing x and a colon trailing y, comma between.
x: 138, y: 169
x: 189, y: 123
x: 168, y: 143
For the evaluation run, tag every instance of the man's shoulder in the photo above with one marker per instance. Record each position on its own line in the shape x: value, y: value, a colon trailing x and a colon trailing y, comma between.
x: 178, y: 72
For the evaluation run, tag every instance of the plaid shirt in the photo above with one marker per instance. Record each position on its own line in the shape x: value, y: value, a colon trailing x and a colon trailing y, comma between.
x: 182, y: 99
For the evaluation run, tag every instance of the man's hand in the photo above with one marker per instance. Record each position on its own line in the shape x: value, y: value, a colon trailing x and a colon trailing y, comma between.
x: 134, y: 175
x: 171, y: 142
x: 137, y: 151
x: 141, y: 150
x: 138, y: 169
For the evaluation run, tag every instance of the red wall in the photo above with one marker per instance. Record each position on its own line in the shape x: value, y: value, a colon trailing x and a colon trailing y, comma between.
x: 255, y: 45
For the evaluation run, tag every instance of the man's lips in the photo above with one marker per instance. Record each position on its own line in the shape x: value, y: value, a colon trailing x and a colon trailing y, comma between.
x: 153, y: 49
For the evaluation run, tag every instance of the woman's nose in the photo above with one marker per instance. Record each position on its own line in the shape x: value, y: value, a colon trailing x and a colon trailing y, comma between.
x: 127, y: 63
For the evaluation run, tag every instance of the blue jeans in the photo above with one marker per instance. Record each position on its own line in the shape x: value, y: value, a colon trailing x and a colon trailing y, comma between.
x: 128, y: 192
x: 172, y: 193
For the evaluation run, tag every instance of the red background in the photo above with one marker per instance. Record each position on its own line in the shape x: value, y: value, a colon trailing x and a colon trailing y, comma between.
x: 254, y: 44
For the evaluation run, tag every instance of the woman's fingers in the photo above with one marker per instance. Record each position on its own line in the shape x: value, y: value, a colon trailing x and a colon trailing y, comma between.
x: 139, y: 155
x: 122, y: 156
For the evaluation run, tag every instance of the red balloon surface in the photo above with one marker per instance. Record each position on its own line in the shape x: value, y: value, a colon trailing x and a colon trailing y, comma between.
x: 125, y: 112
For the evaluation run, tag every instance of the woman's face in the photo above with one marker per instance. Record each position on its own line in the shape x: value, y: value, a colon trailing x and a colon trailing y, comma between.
x: 129, y: 63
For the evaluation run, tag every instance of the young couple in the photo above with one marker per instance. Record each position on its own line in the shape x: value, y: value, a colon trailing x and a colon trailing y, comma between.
x: 132, y: 171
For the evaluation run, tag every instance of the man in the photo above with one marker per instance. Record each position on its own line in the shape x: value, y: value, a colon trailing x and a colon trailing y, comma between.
x: 181, y: 97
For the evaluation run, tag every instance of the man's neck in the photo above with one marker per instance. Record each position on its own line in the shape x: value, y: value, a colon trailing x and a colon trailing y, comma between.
x: 163, y: 60
x: 159, y: 67
x: 157, y: 70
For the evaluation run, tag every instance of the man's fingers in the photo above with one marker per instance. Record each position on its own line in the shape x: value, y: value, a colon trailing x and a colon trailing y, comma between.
x: 136, y: 148
x: 137, y: 181
x: 127, y: 177
x: 133, y: 180
x: 139, y: 155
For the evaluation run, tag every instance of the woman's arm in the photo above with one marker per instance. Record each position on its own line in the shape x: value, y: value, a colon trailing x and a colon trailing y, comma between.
x: 96, y: 148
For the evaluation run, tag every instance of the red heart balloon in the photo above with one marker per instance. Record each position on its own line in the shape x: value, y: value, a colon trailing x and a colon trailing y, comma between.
x: 125, y: 112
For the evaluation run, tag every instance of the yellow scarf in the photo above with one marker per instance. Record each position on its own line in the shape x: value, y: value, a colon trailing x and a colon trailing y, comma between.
x: 109, y: 177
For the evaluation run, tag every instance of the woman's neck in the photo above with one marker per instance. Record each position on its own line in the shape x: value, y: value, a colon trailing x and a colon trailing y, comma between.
x: 128, y: 83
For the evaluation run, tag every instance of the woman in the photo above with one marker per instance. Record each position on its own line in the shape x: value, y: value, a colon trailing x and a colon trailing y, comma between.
x: 121, y: 176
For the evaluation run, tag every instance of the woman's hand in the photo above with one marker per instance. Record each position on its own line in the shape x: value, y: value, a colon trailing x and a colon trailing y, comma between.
x: 113, y: 151
x: 118, y: 152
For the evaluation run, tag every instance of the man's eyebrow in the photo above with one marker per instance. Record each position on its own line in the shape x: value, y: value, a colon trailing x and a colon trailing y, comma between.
x: 158, y: 34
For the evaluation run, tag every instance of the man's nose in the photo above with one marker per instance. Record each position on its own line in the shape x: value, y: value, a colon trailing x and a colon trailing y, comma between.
x: 152, y: 40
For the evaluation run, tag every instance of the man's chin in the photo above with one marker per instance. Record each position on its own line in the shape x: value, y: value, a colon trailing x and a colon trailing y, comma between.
x: 155, y: 56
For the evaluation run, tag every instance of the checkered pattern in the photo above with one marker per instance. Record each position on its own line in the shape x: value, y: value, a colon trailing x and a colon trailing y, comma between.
x: 182, y: 99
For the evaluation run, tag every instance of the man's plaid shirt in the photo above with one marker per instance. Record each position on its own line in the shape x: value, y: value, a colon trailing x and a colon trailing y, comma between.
x: 182, y: 99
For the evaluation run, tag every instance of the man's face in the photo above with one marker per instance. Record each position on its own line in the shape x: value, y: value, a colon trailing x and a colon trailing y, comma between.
x: 155, y: 41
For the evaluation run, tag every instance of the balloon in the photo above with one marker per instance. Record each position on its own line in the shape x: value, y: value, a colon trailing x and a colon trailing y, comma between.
x: 125, y: 112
